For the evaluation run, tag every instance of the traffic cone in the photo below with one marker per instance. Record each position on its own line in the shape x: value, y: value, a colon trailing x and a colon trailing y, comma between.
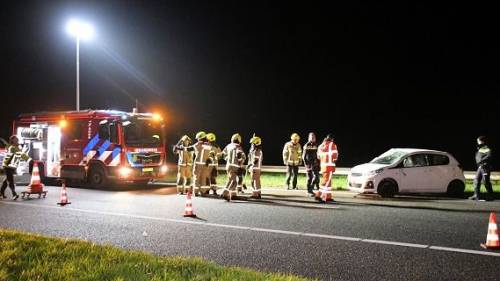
x: 188, y: 211
x: 64, y: 195
x: 35, y: 185
x: 492, y: 241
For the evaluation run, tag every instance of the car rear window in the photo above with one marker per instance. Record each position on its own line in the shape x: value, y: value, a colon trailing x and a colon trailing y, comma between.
x: 439, y: 160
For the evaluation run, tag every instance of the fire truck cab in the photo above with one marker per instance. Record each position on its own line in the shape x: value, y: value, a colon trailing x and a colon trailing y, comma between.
x: 96, y: 147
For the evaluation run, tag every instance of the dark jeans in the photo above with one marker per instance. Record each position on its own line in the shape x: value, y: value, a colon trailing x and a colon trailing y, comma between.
x: 291, y: 173
x: 9, y: 180
x: 482, y: 174
x: 312, y: 178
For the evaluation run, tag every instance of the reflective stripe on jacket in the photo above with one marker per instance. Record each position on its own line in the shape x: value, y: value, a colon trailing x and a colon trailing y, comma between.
x: 185, y: 155
x: 203, y: 153
x: 255, y: 159
x: 292, y: 153
x: 234, y: 155
x: 216, y: 154
x: 13, y: 155
x: 328, y: 154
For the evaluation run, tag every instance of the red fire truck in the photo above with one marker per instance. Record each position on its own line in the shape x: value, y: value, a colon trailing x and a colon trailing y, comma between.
x: 96, y: 147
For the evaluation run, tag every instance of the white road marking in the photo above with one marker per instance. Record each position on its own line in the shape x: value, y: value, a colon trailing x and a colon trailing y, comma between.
x: 331, y: 236
x: 267, y: 230
x: 276, y: 231
x: 395, y: 243
x: 465, y: 251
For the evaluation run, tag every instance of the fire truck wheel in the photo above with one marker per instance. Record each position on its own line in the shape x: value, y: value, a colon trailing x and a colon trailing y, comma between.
x: 97, y: 177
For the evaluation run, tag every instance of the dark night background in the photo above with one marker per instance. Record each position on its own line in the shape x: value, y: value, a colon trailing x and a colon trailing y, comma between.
x: 376, y: 75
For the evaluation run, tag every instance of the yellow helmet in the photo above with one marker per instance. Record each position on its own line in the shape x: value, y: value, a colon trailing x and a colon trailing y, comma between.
x: 201, y: 135
x: 295, y: 137
x: 185, y: 138
x: 256, y: 140
x: 211, y: 137
x: 236, y: 138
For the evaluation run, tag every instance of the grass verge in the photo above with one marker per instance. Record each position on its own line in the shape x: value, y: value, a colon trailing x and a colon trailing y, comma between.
x: 277, y: 180
x: 25, y: 256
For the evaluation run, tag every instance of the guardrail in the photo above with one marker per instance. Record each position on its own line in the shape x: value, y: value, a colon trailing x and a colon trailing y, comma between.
x: 342, y: 171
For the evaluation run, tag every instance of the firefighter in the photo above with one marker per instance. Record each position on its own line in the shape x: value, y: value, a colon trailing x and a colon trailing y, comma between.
x: 254, y: 164
x: 483, y: 161
x: 292, y: 153
x: 235, y: 157
x: 215, y: 164
x: 185, y: 163
x: 241, y: 175
x: 203, y: 158
x: 13, y: 155
x: 311, y: 162
x: 328, y: 155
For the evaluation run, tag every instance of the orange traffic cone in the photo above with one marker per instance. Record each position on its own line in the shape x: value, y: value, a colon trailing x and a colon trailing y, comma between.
x: 492, y: 241
x: 35, y: 185
x: 64, y: 195
x: 188, y: 211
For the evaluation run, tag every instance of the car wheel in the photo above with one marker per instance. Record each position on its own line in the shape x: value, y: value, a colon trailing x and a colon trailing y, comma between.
x: 387, y: 188
x: 456, y: 188
x: 97, y: 177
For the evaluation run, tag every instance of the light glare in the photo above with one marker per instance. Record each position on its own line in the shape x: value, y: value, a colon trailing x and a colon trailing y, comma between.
x: 80, y: 29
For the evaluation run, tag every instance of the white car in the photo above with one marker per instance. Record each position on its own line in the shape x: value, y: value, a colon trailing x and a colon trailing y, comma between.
x: 405, y: 170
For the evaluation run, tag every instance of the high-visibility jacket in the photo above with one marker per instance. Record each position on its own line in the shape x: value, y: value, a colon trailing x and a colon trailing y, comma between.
x: 216, y: 154
x: 310, y: 155
x: 292, y: 154
x: 328, y: 154
x: 185, y: 155
x: 234, y: 155
x: 255, y: 159
x: 483, y: 155
x: 203, y: 153
x: 13, y: 155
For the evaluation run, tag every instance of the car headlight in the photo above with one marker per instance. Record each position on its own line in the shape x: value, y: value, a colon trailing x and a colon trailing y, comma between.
x: 374, y: 172
x: 125, y: 172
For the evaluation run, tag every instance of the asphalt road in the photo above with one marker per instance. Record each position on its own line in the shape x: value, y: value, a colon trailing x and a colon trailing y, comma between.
x: 407, y: 238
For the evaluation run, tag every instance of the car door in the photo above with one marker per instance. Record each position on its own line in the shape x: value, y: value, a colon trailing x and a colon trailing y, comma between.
x: 414, y: 173
x: 440, y: 172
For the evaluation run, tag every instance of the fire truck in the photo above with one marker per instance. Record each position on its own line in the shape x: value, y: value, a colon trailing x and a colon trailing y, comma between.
x: 96, y: 147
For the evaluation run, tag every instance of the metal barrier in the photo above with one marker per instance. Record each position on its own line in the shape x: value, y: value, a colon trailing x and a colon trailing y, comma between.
x: 342, y: 171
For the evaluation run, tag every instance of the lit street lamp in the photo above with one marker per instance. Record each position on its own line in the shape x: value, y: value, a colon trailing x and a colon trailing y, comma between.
x: 84, y: 31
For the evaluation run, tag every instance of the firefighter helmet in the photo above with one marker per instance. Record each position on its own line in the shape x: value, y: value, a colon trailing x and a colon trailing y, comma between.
x: 295, y: 137
x: 256, y: 140
x: 211, y: 137
x: 185, y: 138
x: 236, y: 138
x: 201, y: 135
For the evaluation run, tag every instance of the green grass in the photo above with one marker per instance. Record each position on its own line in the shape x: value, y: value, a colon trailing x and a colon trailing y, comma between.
x: 26, y: 256
x: 277, y: 180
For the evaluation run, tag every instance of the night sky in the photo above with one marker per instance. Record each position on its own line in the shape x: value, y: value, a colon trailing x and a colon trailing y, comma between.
x: 375, y: 75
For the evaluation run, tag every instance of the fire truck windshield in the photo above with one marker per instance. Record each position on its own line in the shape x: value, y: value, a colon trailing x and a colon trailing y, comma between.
x: 142, y: 132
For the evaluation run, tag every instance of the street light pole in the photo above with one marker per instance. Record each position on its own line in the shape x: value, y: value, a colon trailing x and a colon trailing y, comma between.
x: 79, y: 30
x: 77, y: 73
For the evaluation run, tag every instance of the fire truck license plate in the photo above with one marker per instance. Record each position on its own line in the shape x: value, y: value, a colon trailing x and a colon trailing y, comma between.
x: 147, y: 170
